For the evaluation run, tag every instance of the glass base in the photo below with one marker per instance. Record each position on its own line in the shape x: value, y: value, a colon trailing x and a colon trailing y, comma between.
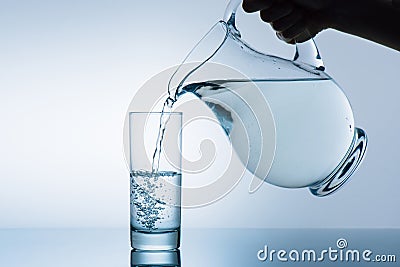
x: 141, y: 258
x: 155, y: 240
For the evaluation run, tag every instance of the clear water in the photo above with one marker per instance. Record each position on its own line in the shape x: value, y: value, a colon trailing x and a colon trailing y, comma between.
x: 155, y: 200
x: 291, y: 133
x: 164, y: 117
x: 155, y: 194
x: 301, y: 135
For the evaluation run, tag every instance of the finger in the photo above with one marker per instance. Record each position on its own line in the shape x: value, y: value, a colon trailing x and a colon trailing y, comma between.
x: 301, y: 37
x: 276, y: 11
x: 312, y: 28
x: 315, y: 4
x: 294, y: 31
x: 287, y: 21
x: 256, y: 5
x: 280, y: 37
x: 304, y: 36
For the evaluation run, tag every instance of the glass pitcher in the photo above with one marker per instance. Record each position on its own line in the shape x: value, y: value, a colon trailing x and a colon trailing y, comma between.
x: 288, y: 121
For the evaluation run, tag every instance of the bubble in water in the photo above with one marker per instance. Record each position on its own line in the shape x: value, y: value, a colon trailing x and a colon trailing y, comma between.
x: 152, y: 200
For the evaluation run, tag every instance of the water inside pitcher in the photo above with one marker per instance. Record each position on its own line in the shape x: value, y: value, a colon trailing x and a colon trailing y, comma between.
x: 288, y: 121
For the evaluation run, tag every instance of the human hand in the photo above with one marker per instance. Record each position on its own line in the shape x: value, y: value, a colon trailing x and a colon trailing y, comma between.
x: 294, y: 21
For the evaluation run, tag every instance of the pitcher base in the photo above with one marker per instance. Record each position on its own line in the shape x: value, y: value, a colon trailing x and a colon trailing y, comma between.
x: 345, y: 169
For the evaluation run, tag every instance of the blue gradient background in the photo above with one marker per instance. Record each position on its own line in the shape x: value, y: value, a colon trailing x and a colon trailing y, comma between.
x: 68, y: 70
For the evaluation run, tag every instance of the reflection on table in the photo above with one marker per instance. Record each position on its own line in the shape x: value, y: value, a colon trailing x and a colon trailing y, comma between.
x: 199, y: 247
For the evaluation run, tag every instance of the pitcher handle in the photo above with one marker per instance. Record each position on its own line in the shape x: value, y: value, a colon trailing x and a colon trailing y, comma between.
x: 306, y: 52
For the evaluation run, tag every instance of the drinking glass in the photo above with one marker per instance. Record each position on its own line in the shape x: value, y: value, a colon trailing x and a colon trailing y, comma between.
x: 155, y: 180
